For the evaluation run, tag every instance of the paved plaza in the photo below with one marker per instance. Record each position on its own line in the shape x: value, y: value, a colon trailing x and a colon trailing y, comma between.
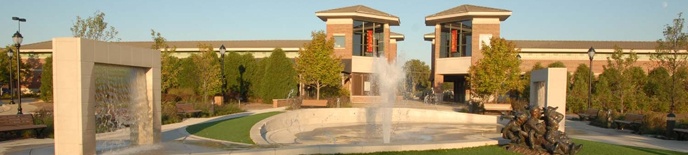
x: 175, y: 139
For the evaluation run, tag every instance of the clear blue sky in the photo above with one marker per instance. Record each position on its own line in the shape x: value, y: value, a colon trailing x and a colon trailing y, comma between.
x: 628, y: 20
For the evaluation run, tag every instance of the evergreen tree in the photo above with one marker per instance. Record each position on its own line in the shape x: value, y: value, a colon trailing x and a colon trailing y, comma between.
x: 577, y: 98
x: 657, y: 89
x: 47, y: 80
x: 525, y: 92
x: 279, y: 78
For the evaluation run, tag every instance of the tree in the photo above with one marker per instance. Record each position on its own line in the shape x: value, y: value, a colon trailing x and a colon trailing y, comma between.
x: 577, y: 97
x: 525, y: 92
x: 417, y: 76
x: 279, y: 78
x: 5, y: 61
x: 47, y: 80
x: 670, y: 53
x: 250, y: 76
x: 604, y: 91
x: 657, y: 89
x: 557, y: 64
x: 619, y: 83
x: 208, y: 74
x: 497, y: 72
x: 637, y: 100
x: 170, y: 66
x: 317, y: 65
x: 94, y: 28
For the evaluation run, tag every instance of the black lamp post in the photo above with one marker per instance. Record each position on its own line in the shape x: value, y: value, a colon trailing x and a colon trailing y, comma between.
x: 10, y: 54
x: 222, y: 68
x: 17, y: 38
x: 591, y: 55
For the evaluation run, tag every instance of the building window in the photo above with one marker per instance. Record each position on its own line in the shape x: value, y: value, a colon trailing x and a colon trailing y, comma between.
x: 339, y: 41
x: 455, y: 39
x: 368, y: 39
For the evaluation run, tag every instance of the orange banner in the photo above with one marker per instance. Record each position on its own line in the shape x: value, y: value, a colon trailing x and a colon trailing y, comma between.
x: 453, y: 40
x: 369, y: 42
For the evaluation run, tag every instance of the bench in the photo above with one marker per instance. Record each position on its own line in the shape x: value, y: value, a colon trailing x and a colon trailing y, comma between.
x: 314, y: 103
x: 496, y: 107
x: 681, y: 133
x: 589, y: 114
x: 186, y: 109
x: 20, y: 122
x: 631, y: 120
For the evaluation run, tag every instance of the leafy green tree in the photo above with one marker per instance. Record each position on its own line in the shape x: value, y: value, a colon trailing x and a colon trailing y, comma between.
x: 637, y: 100
x: 47, y: 80
x: 497, y: 72
x: 604, y: 91
x: 317, y: 65
x: 657, y: 89
x: 94, y: 28
x: 525, y: 92
x: 619, y: 83
x: 279, y: 78
x: 556, y: 64
x: 170, y: 66
x: 417, y: 76
x: 208, y: 76
x: 5, y: 61
x: 577, y: 98
x: 671, y: 54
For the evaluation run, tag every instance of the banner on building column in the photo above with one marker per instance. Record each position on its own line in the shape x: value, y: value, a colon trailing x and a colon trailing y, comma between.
x: 369, y: 41
x: 453, y: 40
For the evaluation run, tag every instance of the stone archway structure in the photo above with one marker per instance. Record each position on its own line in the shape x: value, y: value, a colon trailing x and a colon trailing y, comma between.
x: 74, y: 91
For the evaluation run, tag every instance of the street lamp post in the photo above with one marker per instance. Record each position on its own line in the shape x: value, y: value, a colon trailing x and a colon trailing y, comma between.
x: 10, y: 54
x: 17, y: 38
x: 591, y: 55
x: 222, y: 68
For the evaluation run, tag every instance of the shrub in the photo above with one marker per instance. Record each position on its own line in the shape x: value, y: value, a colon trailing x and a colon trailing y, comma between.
x: 280, y: 77
x: 168, y: 113
x: 226, y: 109
x: 45, y: 117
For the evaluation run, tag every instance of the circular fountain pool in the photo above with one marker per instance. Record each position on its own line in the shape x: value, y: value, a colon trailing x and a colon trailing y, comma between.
x: 362, y: 126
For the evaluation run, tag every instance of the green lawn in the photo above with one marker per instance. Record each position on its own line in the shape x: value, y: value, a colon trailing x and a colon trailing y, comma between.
x: 234, y: 130
x: 589, y: 147
x: 237, y: 130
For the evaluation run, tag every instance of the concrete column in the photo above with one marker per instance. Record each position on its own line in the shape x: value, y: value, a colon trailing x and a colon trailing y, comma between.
x: 548, y: 88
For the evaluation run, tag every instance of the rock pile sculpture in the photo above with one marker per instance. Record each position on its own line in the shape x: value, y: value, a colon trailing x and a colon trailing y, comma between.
x: 536, y: 132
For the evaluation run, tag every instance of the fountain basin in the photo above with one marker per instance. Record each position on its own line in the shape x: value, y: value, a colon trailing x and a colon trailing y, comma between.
x: 412, y: 129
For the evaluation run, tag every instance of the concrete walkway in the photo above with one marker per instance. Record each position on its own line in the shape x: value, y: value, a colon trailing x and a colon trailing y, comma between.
x: 581, y: 130
x: 174, y: 140
x: 11, y: 109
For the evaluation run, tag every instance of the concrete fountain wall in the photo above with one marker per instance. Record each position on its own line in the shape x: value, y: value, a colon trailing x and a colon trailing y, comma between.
x: 280, y: 129
x: 74, y: 91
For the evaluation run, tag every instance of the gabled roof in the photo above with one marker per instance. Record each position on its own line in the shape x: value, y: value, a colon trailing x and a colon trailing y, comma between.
x: 467, y: 11
x: 397, y: 36
x: 359, y: 12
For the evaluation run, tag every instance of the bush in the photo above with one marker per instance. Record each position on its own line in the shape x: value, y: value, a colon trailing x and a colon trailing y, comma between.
x: 280, y: 77
x: 45, y: 117
x: 169, y: 113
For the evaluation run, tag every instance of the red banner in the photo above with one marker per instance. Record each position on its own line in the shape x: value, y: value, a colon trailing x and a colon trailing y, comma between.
x: 453, y: 40
x: 369, y: 42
